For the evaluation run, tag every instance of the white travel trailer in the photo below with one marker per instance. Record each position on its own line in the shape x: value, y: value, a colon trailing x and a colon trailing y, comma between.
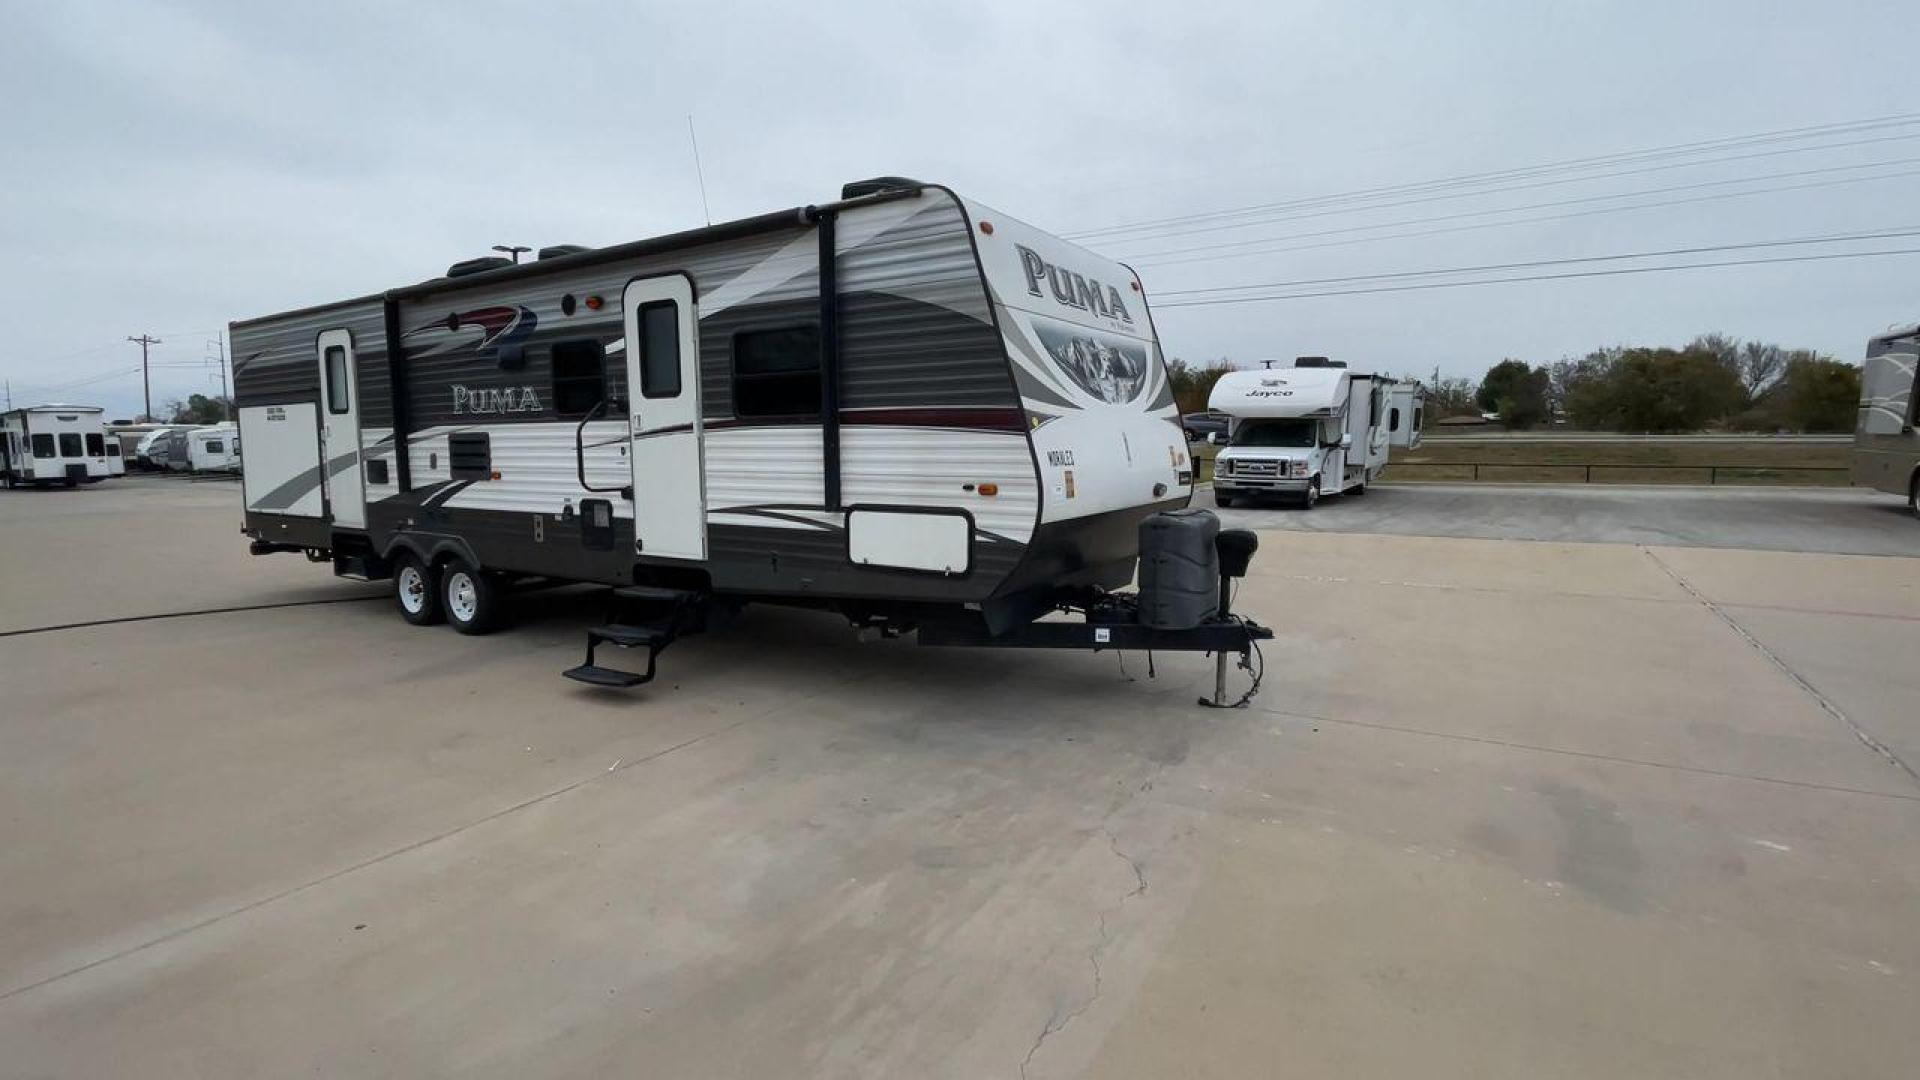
x: 1886, y: 451
x: 1310, y: 429
x: 902, y: 405
x: 1406, y: 414
x: 116, y: 453
x: 53, y: 444
x: 214, y: 448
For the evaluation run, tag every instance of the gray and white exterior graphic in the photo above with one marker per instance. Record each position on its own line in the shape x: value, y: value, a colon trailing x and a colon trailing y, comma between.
x: 1886, y: 450
x: 951, y: 453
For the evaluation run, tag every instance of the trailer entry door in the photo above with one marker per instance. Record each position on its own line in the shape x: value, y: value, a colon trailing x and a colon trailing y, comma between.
x: 663, y: 381
x: 340, y: 431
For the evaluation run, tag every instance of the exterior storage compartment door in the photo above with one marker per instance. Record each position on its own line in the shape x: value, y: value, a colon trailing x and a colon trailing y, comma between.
x: 281, y: 472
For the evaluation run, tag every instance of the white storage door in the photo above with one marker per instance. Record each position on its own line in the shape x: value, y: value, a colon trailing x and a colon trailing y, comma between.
x: 936, y: 542
x: 282, y: 466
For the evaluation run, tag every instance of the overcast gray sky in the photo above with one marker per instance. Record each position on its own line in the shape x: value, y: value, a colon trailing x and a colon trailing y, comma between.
x: 172, y: 166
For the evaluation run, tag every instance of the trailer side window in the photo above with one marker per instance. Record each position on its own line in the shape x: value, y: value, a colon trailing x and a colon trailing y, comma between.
x: 1417, y: 417
x: 338, y: 398
x: 777, y: 372
x: 215, y: 446
x: 43, y: 446
x: 70, y: 444
x: 660, y: 349
x: 96, y: 445
x: 113, y: 447
x: 1393, y: 419
x: 579, y: 376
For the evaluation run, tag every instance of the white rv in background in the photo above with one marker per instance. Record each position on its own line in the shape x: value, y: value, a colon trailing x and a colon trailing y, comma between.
x: 215, y: 448
x: 1309, y: 429
x: 1406, y: 414
x: 116, y: 453
x: 53, y: 444
x: 1886, y: 450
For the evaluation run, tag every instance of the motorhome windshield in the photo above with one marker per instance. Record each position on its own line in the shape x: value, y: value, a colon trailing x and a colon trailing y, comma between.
x: 1292, y: 433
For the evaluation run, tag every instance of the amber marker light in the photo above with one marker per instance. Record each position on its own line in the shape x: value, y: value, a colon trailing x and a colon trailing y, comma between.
x: 989, y: 489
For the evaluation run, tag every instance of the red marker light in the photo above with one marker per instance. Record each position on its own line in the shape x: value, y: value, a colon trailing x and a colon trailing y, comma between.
x: 594, y: 303
x: 987, y: 227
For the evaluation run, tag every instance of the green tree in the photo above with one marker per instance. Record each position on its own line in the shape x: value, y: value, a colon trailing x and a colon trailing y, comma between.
x: 1499, y: 382
x: 1667, y: 390
x: 1192, y: 385
x: 200, y: 409
x: 1525, y: 404
x: 1819, y: 393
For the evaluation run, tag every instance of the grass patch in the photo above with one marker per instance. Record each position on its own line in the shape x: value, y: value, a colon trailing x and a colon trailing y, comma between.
x: 1758, y: 462
x: 1572, y: 462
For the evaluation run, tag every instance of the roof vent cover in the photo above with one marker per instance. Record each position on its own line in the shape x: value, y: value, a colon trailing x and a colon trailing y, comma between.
x: 478, y: 266
x: 877, y: 185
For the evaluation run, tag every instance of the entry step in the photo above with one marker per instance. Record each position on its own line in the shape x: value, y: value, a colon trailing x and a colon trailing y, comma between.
x: 628, y: 636
x: 604, y: 676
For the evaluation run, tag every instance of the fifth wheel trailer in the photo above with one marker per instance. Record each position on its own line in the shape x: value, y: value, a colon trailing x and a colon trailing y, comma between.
x: 1886, y: 451
x: 53, y: 444
x: 902, y: 405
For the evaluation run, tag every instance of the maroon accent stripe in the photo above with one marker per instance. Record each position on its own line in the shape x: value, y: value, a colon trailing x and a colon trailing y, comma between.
x: 985, y: 419
x: 978, y: 419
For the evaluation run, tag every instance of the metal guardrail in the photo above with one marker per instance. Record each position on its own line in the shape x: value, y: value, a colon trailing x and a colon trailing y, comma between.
x: 1713, y: 471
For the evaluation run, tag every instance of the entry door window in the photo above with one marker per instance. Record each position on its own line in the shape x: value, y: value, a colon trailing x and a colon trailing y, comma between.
x: 660, y: 349
x: 338, y: 400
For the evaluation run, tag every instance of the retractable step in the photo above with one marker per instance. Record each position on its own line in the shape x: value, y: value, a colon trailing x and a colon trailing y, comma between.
x: 669, y: 614
x: 594, y: 675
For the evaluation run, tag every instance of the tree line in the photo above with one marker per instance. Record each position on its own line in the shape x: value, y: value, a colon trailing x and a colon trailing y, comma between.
x: 1713, y: 381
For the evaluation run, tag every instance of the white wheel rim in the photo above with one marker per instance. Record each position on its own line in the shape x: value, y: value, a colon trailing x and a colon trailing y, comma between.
x: 462, y: 599
x: 413, y: 590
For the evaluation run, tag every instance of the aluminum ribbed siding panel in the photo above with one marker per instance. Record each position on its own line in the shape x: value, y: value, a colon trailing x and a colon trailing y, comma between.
x: 275, y: 360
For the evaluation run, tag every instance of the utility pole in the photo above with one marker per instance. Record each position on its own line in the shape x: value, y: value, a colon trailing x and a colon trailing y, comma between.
x: 226, y: 396
x: 146, y: 384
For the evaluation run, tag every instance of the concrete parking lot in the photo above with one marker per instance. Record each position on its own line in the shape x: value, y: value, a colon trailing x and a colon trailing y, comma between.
x: 1505, y: 807
x: 1847, y: 521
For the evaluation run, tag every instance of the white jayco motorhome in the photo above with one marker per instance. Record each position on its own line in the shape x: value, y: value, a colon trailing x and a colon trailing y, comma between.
x: 901, y: 405
x: 53, y: 444
x: 1309, y: 429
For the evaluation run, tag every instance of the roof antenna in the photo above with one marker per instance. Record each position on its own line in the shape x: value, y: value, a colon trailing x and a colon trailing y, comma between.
x: 695, y: 140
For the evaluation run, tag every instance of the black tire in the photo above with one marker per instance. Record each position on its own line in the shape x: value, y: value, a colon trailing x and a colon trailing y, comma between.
x: 1913, y: 494
x: 416, y: 591
x: 1312, y: 496
x: 71, y: 482
x: 471, y: 598
x: 1221, y: 499
x: 9, y: 481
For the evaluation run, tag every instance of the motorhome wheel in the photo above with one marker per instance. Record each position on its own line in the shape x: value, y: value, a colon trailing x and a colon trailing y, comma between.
x: 416, y: 589
x: 472, y: 598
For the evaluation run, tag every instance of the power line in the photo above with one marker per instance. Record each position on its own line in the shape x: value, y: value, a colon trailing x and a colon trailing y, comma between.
x: 1835, y: 238
x: 1543, y: 277
x: 1570, y: 164
x: 1150, y: 260
x: 1476, y: 193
